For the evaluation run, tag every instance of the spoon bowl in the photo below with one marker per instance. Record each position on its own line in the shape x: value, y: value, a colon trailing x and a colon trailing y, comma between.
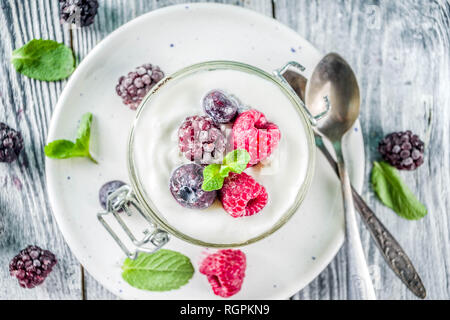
x: 332, y: 98
x: 334, y: 79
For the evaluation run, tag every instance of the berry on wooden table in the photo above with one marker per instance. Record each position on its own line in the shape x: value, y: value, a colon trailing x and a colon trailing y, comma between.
x: 32, y: 266
x: 78, y: 11
x: 11, y: 143
x: 403, y: 150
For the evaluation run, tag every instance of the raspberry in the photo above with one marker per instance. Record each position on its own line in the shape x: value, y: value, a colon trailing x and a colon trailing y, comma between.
x: 200, y: 140
x: 133, y: 87
x: 31, y: 266
x: 225, y: 271
x: 11, y: 143
x: 78, y: 11
x: 252, y: 132
x: 219, y: 106
x: 107, y: 189
x: 242, y: 196
x: 403, y: 150
x: 186, y: 187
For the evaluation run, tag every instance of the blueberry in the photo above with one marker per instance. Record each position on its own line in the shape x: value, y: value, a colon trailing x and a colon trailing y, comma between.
x: 186, y: 187
x: 219, y: 106
x: 107, y: 189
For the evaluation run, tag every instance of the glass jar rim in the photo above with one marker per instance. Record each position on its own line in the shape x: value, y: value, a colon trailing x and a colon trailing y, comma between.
x: 145, y: 199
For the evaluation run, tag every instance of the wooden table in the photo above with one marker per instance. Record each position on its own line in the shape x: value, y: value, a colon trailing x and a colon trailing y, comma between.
x: 401, y: 54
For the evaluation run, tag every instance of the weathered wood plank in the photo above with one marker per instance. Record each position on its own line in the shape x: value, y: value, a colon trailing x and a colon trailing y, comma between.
x: 400, y: 52
x: 25, y: 104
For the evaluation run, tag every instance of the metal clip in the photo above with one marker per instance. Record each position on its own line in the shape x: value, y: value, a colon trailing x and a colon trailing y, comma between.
x: 123, y: 200
x: 301, y: 90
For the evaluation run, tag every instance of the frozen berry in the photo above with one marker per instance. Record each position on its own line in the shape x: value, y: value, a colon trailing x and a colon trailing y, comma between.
x: 133, y: 87
x: 11, y: 143
x: 200, y: 140
x: 225, y: 271
x: 107, y: 189
x: 252, y: 132
x: 186, y: 187
x: 78, y: 12
x: 242, y: 196
x: 31, y: 266
x: 403, y: 150
x: 219, y: 106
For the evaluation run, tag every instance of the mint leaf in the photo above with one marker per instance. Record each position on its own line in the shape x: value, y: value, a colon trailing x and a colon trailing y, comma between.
x: 64, y: 149
x: 393, y: 192
x: 45, y: 60
x: 237, y: 160
x: 214, y: 174
x: 212, y: 178
x: 163, y: 270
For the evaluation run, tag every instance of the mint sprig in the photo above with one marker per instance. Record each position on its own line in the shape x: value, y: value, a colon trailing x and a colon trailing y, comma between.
x: 64, y: 149
x: 214, y: 174
x: 394, y: 193
x: 45, y: 60
x: 163, y: 270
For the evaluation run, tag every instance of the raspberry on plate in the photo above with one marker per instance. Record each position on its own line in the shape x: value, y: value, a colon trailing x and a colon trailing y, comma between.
x: 200, y: 140
x: 242, y: 196
x: 186, y: 187
x: 31, y: 266
x: 225, y: 271
x: 252, y: 132
x: 403, y: 150
x: 133, y: 87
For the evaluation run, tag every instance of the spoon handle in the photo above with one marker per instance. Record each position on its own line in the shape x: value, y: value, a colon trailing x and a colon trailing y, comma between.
x: 360, y: 284
x: 392, y: 252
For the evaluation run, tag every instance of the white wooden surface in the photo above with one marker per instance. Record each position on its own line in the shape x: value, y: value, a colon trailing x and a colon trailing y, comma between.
x: 400, y: 52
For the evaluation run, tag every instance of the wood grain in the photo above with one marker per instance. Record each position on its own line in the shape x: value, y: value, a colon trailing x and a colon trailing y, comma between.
x: 400, y: 51
x: 26, y: 104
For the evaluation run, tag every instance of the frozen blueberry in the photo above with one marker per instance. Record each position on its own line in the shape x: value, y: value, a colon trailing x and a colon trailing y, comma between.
x: 107, y: 189
x: 186, y: 187
x: 219, y: 106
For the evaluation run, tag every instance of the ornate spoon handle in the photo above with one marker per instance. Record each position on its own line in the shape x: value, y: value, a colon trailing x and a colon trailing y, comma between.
x: 394, y: 255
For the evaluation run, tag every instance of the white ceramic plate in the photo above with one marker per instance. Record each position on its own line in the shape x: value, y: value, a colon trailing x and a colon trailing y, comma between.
x: 173, y: 38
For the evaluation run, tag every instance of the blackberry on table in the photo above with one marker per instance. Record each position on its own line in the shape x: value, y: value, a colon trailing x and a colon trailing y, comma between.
x: 11, y: 143
x: 78, y: 11
x: 186, y: 187
x: 32, y: 266
x: 403, y: 150
x: 200, y: 140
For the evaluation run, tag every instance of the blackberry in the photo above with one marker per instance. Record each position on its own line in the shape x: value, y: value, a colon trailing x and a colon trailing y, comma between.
x: 186, y: 187
x: 31, y: 266
x: 200, y: 140
x: 403, y: 150
x: 219, y: 106
x: 107, y: 189
x: 134, y: 86
x: 11, y: 143
x: 78, y: 12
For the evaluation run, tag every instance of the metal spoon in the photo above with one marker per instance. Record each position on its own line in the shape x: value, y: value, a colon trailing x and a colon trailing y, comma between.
x: 332, y: 96
x: 390, y: 249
